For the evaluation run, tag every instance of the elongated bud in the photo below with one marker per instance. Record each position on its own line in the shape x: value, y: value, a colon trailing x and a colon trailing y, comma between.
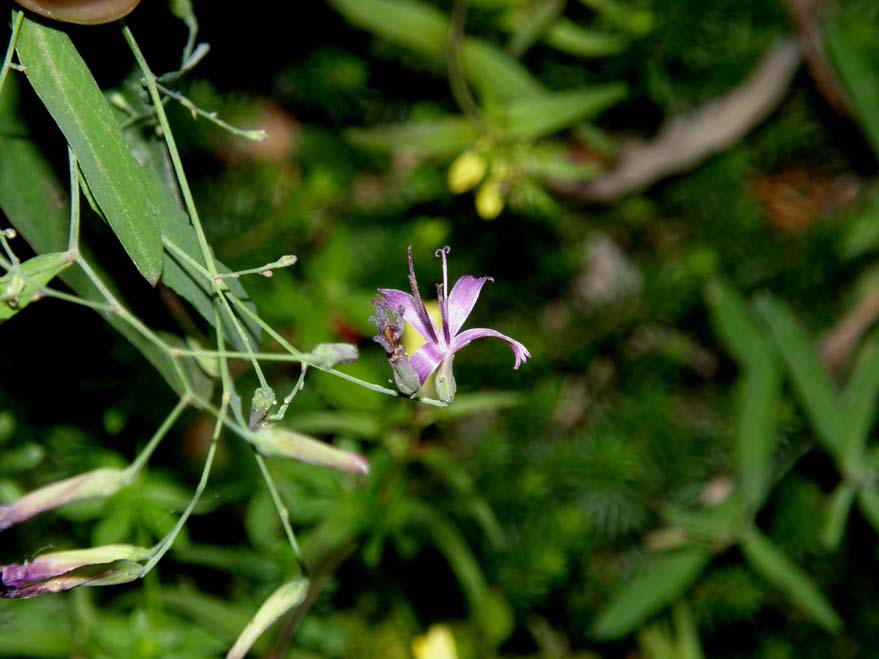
x: 63, y: 570
x: 97, y: 484
x: 467, y: 171
x: 444, y: 383
x: 490, y: 199
x: 277, y: 442
x: 330, y: 355
x: 282, y: 600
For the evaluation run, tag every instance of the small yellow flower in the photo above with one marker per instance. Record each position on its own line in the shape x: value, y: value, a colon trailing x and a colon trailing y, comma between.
x: 438, y: 643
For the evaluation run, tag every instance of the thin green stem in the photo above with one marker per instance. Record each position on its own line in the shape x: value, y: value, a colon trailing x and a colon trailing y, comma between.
x: 293, y: 351
x: 282, y: 511
x: 135, y: 468
x: 300, y: 383
x: 73, y: 240
x: 13, y: 259
x: 67, y: 297
x: 156, y: 98
x: 460, y: 90
x: 257, y: 135
x: 245, y: 340
x: 17, y: 19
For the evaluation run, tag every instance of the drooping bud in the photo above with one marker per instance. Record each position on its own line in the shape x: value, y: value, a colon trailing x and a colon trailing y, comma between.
x: 287, y: 596
x: 274, y: 441
x: 490, y: 199
x: 330, y: 355
x: 59, y: 571
x: 96, y: 484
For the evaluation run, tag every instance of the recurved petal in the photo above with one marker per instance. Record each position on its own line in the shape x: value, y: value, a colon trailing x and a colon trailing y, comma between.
x: 463, y: 297
x: 414, y: 312
x: 425, y: 361
x: 520, y: 352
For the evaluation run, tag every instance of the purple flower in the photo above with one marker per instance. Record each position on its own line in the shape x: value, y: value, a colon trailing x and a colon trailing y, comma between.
x: 442, y: 342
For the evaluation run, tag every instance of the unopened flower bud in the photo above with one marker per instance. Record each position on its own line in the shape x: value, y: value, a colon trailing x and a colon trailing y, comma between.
x: 490, y: 199
x: 330, y: 355
x: 260, y: 405
x: 63, y: 570
x: 96, y: 484
x: 466, y: 171
x: 274, y: 441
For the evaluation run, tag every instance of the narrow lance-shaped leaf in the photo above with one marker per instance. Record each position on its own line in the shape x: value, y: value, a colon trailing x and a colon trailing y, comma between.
x: 868, y: 503
x: 860, y: 78
x: 544, y: 114
x: 838, y: 508
x: 735, y: 324
x: 656, y: 584
x: 816, y: 392
x: 860, y: 401
x: 64, y: 83
x: 755, y: 431
x: 770, y: 563
x: 37, y: 205
x: 282, y: 600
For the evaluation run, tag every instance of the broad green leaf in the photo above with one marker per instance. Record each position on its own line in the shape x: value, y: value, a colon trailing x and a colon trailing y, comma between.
x: 436, y: 138
x: 542, y: 115
x: 38, y: 207
x: 19, y: 286
x: 860, y: 400
x: 735, y: 324
x: 816, y: 392
x: 771, y: 564
x: 755, y: 430
x: 838, y: 507
x: 279, y: 602
x: 423, y: 29
x: 661, y: 580
x: 64, y: 83
x: 568, y: 37
x: 859, y: 78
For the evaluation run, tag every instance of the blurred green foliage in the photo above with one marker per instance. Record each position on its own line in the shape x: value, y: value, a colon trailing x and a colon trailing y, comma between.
x: 675, y: 473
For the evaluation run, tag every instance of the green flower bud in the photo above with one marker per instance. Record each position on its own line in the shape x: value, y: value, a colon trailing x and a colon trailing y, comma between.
x: 467, y: 171
x: 273, y: 441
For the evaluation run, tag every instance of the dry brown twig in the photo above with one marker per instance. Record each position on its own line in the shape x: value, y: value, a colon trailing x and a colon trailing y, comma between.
x: 689, y: 139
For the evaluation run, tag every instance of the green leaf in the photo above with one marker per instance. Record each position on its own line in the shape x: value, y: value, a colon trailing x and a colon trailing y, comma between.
x: 735, y: 324
x: 38, y: 207
x: 860, y: 400
x: 422, y: 28
x: 755, y: 430
x: 771, y: 564
x: 658, y: 582
x: 816, y: 392
x: 542, y: 115
x: 532, y: 25
x: 436, y: 138
x: 64, y: 83
x: 568, y: 37
x: 859, y: 77
x: 868, y: 502
x: 19, y: 286
x: 287, y: 596
x: 838, y: 508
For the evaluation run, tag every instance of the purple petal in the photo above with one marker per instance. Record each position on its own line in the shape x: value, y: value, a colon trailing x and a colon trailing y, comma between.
x: 414, y: 312
x: 425, y: 360
x: 463, y: 297
x: 465, y: 338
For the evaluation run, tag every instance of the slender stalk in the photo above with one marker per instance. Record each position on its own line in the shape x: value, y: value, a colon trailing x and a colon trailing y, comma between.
x: 150, y: 80
x: 17, y: 19
x: 293, y: 351
x: 139, y: 462
x: 257, y: 135
x: 244, y: 339
x: 283, y: 513
x: 460, y: 90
